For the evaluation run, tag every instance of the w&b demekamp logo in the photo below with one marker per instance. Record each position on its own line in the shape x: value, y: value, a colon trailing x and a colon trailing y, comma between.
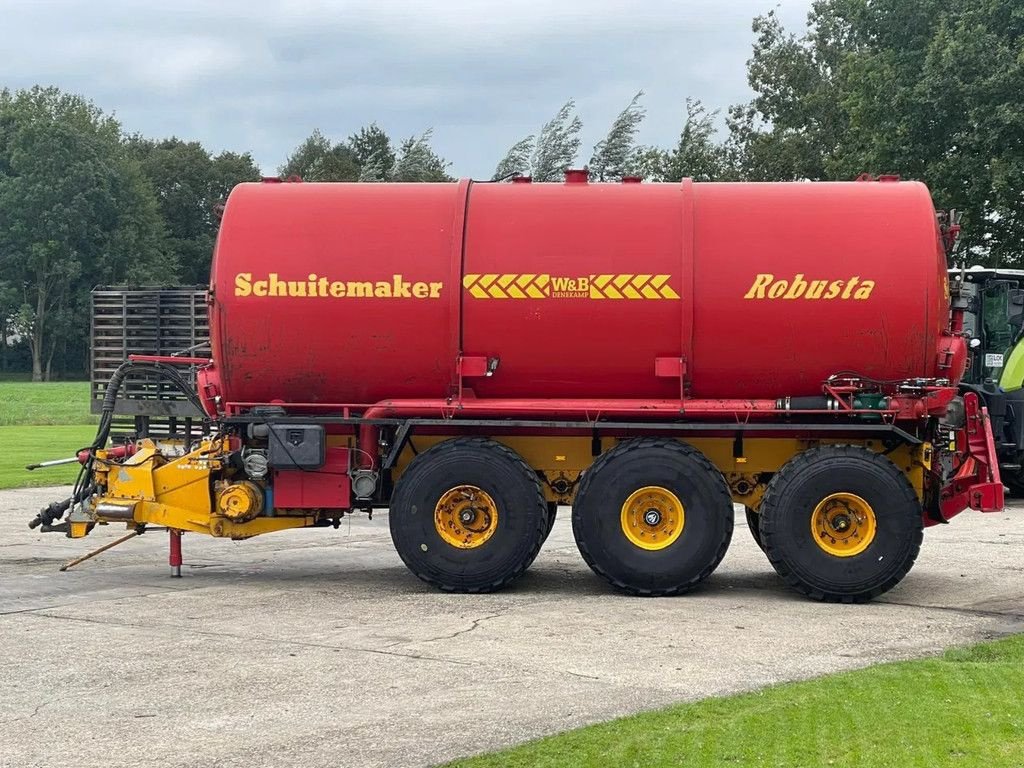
x: 547, y: 286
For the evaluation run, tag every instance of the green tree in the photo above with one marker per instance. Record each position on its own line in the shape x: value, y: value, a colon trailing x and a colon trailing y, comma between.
x: 417, y: 161
x: 10, y: 303
x: 317, y: 159
x: 368, y: 155
x: 616, y: 155
x: 557, y: 144
x: 516, y: 161
x: 76, y: 211
x: 650, y: 163
x: 545, y: 157
x: 697, y: 154
x: 929, y: 90
x: 374, y: 152
x: 191, y: 184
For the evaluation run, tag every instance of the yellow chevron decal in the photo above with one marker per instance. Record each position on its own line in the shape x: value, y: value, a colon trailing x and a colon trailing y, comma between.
x: 508, y: 286
x: 534, y: 286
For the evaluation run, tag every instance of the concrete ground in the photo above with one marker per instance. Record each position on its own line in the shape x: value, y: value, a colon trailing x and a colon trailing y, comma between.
x: 317, y: 648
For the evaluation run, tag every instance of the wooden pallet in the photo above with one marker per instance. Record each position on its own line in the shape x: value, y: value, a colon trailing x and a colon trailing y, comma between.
x: 147, y: 321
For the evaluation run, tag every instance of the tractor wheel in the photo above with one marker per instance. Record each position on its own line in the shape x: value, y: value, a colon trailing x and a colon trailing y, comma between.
x: 653, y: 517
x: 1015, y: 481
x: 552, y: 514
x: 468, y: 515
x: 754, y: 524
x: 841, y: 524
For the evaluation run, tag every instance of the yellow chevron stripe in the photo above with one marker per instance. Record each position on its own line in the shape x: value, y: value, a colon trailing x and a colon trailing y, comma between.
x: 538, y: 286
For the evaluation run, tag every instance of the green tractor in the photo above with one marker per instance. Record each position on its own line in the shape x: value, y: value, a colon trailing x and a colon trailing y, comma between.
x: 994, y: 322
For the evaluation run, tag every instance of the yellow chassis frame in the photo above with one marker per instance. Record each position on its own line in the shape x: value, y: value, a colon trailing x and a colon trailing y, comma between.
x: 179, y: 492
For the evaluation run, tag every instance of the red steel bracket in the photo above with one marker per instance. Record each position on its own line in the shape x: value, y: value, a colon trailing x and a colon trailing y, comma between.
x: 977, y: 484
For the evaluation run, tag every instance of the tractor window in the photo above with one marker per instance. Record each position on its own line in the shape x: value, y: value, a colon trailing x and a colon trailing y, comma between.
x: 999, y: 332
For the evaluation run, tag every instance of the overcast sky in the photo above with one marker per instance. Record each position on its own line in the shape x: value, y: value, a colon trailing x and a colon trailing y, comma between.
x: 260, y: 76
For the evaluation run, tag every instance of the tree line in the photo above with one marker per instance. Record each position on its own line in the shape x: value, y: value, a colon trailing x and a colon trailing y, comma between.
x: 929, y: 90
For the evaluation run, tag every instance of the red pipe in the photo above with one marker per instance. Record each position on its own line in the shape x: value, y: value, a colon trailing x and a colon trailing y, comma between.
x: 558, y: 408
x: 170, y: 359
x: 117, y: 452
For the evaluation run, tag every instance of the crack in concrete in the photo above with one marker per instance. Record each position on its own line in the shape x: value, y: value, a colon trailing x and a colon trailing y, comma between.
x: 306, y: 644
x: 578, y: 674
x: 255, y: 638
x: 475, y: 623
x: 35, y: 712
x: 955, y: 609
x: 156, y: 590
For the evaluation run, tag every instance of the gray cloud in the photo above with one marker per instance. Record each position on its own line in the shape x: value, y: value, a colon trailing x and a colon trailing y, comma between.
x: 260, y: 76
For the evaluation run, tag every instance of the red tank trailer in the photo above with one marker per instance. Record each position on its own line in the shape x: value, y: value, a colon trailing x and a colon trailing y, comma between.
x: 353, y: 295
x: 472, y: 355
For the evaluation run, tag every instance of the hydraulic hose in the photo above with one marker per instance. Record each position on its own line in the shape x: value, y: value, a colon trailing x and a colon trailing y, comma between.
x: 83, y: 488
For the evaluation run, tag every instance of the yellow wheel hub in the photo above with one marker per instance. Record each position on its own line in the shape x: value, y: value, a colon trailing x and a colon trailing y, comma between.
x: 652, y: 517
x: 466, y: 516
x: 843, y: 524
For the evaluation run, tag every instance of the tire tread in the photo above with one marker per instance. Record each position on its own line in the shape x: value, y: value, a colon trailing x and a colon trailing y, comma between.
x: 793, y: 469
x: 639, y: 444
x: 487, y: 444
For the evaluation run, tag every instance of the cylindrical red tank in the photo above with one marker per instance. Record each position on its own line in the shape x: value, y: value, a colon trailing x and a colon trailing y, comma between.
x: 353, y: 293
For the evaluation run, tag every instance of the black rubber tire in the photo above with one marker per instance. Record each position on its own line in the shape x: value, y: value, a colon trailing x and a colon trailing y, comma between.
x: 1015, y: 483
x: 681, y: 469
x: 754, y: 525
x: 552, y: 514
x: 522, y: 515
x: 798, y: 488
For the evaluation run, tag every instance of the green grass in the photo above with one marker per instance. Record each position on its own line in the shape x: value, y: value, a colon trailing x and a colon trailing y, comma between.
x: 965, y: 708
x: 62, y: 402
x: 40, y: 421
x: 27, y: 445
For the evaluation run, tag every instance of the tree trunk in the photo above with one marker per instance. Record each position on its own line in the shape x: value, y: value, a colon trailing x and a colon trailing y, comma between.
x: 49, y: 360
x: 36, y: 338
x: 37, y: 358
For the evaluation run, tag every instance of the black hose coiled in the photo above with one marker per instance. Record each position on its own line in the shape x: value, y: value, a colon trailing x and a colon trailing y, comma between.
x: 83, y: 488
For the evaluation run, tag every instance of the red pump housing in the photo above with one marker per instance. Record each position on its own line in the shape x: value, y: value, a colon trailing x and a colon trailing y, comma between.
x: 329, y: 295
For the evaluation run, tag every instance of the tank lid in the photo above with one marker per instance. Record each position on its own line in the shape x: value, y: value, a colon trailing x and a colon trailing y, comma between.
x: 521, y: 179
x: 576, y: 175
x: 631, y: 179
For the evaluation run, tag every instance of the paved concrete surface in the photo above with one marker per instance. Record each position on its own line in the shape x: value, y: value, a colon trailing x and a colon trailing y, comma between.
x: 317, y: 648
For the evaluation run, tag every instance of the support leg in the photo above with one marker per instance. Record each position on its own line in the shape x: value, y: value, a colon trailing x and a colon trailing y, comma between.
x: 175, y: 552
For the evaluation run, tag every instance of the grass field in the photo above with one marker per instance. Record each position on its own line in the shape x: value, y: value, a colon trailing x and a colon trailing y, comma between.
x: 29, y: 444
x: 26, y: 403
x: 964, y: 709
x: 42, y: 421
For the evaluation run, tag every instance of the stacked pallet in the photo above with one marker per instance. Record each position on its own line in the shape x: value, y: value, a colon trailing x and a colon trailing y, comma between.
x: 148, y: 321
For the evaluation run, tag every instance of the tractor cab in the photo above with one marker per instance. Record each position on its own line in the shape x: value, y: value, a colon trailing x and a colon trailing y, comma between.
x: 993, y: 321
x: 994, y: 324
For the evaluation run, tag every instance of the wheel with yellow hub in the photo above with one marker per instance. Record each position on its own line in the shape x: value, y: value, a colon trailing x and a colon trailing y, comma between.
x: 653, y: 517
x: 468, y: 515
x: 841, y: 524
x: 754, y: 524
